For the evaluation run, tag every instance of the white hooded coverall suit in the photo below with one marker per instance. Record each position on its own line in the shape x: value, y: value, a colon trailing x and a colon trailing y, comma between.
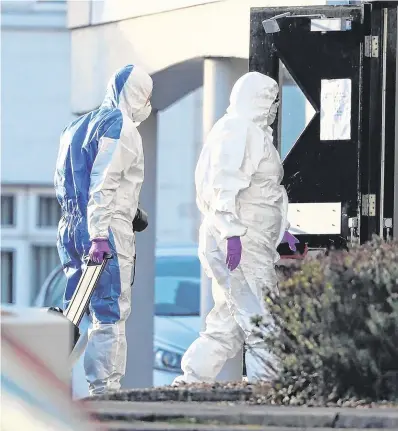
x: 239, y: 193
x: 98, y: 179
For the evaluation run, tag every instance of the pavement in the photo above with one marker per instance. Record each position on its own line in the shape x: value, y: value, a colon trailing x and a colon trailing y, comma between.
x: 190, y: 416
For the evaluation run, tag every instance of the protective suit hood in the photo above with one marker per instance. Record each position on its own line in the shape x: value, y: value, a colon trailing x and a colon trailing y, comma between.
x: 253, y: 97
x: 98, y: 179
x: 239, y: 193
x: 129, y: 90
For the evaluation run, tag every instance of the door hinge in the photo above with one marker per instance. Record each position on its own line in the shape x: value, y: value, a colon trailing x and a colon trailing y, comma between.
x: 369, y: 205
x: 371, y: 46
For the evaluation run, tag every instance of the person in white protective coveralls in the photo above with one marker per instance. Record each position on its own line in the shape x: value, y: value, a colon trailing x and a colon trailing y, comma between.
x: 98, y: 178
x: 244, y: 206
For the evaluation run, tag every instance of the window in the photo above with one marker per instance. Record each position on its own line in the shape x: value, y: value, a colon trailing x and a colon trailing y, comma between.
x: 7, y: 276
x: 7, y: 211
x: 296, y: 112
x: 45, y: 259
x: 49, y: 212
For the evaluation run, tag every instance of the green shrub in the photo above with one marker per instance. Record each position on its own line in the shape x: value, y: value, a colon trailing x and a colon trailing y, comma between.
x: 337, y: 326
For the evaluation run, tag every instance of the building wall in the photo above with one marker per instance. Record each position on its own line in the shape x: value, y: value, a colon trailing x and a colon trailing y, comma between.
x: 159, y: 42
x: 36, y: 85
x: 113, y: 10
x: 98, y: 12
x: 92, y: 12
x: 35, y: 97
x: 29, y: 218
x: 179, y: 134
x: 35, y: 101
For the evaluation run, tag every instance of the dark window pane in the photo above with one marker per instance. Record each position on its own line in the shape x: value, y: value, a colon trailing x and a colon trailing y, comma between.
x: 49, y: 212
x: 7, y: 211
x: 7, y: 276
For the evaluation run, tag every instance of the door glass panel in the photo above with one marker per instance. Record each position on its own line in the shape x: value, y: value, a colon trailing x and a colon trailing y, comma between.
x: 296, y: 111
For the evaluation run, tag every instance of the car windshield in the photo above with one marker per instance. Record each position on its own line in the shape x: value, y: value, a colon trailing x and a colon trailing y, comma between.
x: 176, y: 296
x: 55, y: 291
x: 177, y: 287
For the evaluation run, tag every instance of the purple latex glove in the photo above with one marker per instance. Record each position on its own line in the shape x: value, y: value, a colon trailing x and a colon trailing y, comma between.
x: 291, y: 240
x: 98, y: 248
x: 234, y: 252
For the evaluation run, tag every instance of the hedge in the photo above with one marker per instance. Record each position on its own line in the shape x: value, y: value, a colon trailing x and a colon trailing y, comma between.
x: 336, y: 326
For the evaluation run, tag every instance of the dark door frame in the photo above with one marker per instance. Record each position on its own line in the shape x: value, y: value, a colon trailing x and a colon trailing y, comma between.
x: 377, y: 122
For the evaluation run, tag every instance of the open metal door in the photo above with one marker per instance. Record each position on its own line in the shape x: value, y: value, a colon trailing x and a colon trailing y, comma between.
x: 319, y: 51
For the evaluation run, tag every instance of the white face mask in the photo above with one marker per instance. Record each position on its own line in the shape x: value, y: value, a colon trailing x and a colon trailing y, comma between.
x: 143, y: 113
x: 272, y: 113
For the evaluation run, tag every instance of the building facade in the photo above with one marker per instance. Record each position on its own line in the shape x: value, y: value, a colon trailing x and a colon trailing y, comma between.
x: 35, y: 100
x: 56, y: 59
x: 36, y: 105
x: 194, y: 50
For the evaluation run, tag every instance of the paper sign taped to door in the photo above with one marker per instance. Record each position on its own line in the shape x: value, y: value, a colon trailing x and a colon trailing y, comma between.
x: 335, y: 109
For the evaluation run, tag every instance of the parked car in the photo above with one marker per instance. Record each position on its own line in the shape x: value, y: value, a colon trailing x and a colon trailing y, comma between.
x: 177, y: 312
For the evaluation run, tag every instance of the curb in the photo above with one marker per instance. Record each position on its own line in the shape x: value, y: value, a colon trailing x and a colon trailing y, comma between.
x: 163, y: 426
x: 181, y: 395
x: 269, y: 416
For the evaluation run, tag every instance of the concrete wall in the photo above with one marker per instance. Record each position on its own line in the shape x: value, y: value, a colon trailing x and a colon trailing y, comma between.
x: 176, y: 160
x: 139, y: 327
x: 158, y: 42
x: 96, y: 12
x: 114, y: 10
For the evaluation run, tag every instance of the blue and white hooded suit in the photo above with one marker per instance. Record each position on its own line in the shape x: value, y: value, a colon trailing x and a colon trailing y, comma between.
x: 98, y: 178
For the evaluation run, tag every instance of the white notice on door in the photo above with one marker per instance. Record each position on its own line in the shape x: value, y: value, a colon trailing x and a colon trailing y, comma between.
x: 335, y: 109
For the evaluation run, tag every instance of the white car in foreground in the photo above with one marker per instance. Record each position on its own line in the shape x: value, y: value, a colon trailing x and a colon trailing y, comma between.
x: 177, y: 312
